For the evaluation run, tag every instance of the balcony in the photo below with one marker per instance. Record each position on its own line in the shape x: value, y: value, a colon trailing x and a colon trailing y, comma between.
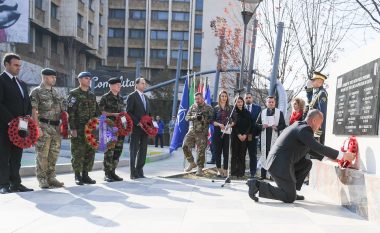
x: 158, y: 44
x: 173, y: 63
x: 115, y: 61
x: 54, y: 25
x: 115, y: 42
x: 40, y: 15
x: 116, y: 4
x: 80, y: 32
x: 137, y: 4
x: 174, y: 44
x: 136, y: 43
x: 157, y: 62
x: 181, y: 6
x: 136, y: 24
x: 81, y: 6
x: 180, y: 25
x: 159, y: 25
x: 133, y: 60
x: 159, y: 5
x: 116, y: 23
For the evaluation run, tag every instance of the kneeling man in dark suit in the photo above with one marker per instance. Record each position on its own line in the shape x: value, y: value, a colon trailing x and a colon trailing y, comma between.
x: 286, y: 161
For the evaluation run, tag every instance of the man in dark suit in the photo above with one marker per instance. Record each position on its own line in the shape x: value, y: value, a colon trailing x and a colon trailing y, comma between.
x: 138, y: 106
x: 254, y: 110
x: 287, y: 163
x: 14, y: 102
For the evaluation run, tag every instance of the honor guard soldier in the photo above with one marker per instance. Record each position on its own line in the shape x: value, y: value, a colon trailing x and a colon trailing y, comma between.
x: 82, y: 106
x: 200, y: 114
x: 319, y: 101
x: 111, y: 104
x: 47, y: 107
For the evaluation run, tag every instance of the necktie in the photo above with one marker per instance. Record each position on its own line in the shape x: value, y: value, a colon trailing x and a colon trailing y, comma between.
x: 17, y: 86
x: 143, y: 100
x: 249, y: 108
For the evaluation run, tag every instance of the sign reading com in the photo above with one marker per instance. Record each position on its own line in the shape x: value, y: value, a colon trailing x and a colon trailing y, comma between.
x: 100, y: 85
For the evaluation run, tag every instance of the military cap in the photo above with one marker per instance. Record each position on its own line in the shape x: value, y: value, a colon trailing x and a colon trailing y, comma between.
x: 48, y: 71
x: 84, y: 74
x: 318, y: 75
x: 114, y: 80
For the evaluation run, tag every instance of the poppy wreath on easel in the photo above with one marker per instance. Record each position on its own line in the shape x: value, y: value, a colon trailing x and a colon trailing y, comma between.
x: 91, y: 139
x: 31, y: 134
x: 146, y: 123
x: 124, y: 130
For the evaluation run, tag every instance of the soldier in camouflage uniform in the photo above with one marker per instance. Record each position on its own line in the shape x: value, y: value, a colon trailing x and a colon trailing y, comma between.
x: 200, y: 115
x: 111, y: 104
x: 47, y: 107
x: 82, y: 106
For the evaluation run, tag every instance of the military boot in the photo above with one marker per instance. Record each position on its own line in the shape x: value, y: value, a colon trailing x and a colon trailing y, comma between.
x: 199, y: 171
x: 190, y: 167
x: 108, y: 177
x: 116, y: 177
x: 86, y: 179
x: 55, y: 183
x: 43, y: 183
x: 78, y: 178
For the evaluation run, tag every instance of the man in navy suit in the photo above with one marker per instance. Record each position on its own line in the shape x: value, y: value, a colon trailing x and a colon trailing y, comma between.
x: 14, y: 102
x: 138, y: 106
x: 255, y: 110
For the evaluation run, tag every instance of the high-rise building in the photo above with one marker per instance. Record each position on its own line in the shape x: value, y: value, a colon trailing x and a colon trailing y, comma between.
x: 148, y: 33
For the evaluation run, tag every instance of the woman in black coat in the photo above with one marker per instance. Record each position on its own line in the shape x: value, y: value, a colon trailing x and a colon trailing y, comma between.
x: 239, y: 137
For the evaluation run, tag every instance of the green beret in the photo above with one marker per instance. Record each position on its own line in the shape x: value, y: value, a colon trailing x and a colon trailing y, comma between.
x: 114, y: 80
x: 48, y: 71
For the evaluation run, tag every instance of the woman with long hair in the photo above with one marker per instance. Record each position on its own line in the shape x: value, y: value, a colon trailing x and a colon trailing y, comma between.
x: 298, y: 105
x: 221, y: 142
x: 239, y: 137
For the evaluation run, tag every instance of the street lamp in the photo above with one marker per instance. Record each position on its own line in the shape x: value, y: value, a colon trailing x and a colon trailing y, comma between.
x: 247, y: 15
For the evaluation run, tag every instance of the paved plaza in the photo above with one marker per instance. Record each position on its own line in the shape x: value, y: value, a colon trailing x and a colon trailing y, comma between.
x: 168, y: 205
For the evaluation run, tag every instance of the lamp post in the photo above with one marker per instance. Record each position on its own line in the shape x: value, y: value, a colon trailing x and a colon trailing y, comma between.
x: 247, y: 15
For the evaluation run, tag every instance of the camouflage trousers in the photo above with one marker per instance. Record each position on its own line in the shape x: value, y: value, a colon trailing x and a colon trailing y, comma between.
x: 47, y: 149
x: 82, y: 155
x: 191, y: 140
x: 111, y: 157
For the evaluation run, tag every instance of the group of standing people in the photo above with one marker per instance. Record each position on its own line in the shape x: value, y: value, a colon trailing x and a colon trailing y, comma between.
x: 45, y: 106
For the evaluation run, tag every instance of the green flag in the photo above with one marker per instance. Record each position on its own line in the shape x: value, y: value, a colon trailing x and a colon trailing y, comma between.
x: 191, y: 92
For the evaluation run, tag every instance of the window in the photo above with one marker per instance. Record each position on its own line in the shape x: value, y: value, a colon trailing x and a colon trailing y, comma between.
x: 180, y: 16
x: 197, y: 59
x: 54, y: 11
x: 160, y: 15
x: 90, y: 28
x: 198, y: 22
x: 39, y: 38
x: 158, y: 53
x: 80, y: 21
x: 54, y: 45
x: 158, y: 35
x: 199, y: 5
x: 38, y: 4
x: 136, y: 14
x: 116, y: 32
x: 136, y: 34
x: 174, y: 54
x: 116, y: 51
x: 136, y: 53
x: 116, y: 14
x: 197, y: 40
x: 180, y: 35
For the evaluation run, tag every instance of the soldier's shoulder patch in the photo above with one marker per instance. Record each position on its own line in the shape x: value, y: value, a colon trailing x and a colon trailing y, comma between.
x: 71, y: 101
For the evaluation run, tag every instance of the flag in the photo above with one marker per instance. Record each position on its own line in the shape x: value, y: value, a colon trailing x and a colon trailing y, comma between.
x: 208, y: 101
x: 181, y: 125
x: 200, y: 86
x: 191, y: 93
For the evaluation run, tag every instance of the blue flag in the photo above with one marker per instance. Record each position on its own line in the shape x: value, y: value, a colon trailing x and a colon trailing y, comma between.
x: 181, y: 125
x: 211, y: 126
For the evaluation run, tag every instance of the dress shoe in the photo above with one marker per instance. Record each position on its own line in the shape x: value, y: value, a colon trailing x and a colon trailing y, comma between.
x: 211, y: 162
x: 78, y: 178
x: 253, y: 188
x: 86, y: 179
x: 116, y: 177
x: 20, y: 188
x: 4, y: 189
x: 141, y: 176
x: 133, y: 177
x: 300, y: 198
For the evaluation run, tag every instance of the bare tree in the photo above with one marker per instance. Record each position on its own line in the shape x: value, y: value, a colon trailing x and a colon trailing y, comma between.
x: 371, y: 9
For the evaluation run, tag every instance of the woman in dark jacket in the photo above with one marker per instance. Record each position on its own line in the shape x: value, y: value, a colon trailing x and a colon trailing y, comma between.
x: 239, y: 138
x: 221, y: 143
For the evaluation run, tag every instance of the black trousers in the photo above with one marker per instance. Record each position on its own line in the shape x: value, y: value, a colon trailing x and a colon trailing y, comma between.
x: 238, y: 152
x: 221, y: 145
x: 10, y: 161
x: 159, y: 136
x: 252, y: 151
x: 137, y: 151
x: 286, y: 188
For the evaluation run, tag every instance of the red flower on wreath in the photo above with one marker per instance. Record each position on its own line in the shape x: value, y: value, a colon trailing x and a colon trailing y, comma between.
x: 121, y: 130
x: 32, y: 133
x: 90, y: 137
x: 147, y: 125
